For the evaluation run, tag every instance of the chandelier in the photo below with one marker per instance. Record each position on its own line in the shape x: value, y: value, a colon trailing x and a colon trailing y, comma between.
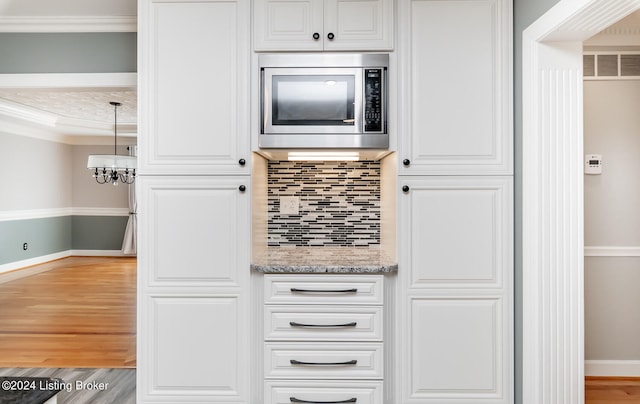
x: 113, y: 168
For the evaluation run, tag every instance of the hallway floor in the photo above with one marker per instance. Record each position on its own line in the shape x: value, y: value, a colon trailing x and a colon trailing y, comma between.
x: 76, y: 312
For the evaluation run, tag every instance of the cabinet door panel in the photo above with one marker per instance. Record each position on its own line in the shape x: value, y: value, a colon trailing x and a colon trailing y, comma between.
x: 458, y: 87
x: 359, y: 24
x: 456, y: 349
x: 194, y: 96
x: 196, y: 350
x: 288, y: 24
x: 457, y: 231
x: 196, y: 230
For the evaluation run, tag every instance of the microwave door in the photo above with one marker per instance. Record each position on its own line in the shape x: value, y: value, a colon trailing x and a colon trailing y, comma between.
x: 304, y: 100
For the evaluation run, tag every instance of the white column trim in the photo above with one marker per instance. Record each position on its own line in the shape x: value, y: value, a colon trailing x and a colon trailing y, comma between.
x: 553, y: 252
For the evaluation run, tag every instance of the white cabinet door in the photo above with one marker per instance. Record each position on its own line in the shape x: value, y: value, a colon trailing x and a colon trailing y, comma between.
x: 192, y: 349
x: 194, y: 98
x: 358, y: 25
x: 196, y: 231
x: 288, y: 24
x: 457, y: 350
x: 456, y: 92
x: 316, y: 25
x: 455, y: 298
x: 193, y: 277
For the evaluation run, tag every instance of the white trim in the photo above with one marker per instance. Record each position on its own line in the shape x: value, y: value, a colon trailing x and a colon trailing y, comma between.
x: 9, y: 215
x: 552, y: 211
x: 11, y: 266
x: 100, y: 211
x: 600, y: 251
x: 612, y: 368
x: 68, y: 80
x: 98, y: 253
x: 47, y: 24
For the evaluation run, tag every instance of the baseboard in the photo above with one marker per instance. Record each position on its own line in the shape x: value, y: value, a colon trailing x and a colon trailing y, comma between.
x: 99, y: 253
x: 615, y: 368
x: 611, y: 251
x: 11, y: 266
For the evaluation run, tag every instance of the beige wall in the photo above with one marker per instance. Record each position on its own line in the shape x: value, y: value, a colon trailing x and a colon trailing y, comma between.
x: 86, y: 192
x: 612, y: 219
x: 37, y: 173
x: 40, y: 174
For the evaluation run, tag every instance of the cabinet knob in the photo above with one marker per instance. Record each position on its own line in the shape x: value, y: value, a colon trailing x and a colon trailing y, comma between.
x: 405, y: 188
x: 406, y: 162
x: 316, y: 36
x: 242, y: 188
x: 330, y: 36
x: 242, y: 162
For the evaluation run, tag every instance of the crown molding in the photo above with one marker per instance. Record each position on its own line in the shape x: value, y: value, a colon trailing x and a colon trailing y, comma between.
x: 54, y: 24
x: 69, y: 80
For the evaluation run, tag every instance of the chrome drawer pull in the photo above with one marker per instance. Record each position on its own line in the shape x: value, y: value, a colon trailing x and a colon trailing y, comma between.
x: 296, y: 290
x: 351, y: 362
x: 294, y: 324
x: 297, y: 400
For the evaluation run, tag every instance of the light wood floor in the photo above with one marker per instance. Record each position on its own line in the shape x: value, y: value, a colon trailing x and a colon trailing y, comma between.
x: 77, y: 312
x: 608, y: 390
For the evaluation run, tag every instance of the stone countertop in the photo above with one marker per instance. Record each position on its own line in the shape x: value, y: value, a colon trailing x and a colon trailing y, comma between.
x: 324, y: 260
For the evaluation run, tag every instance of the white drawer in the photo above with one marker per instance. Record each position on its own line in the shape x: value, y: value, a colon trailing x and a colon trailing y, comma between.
x: 338, y: 360
x: 322, y: 323
x: 287, y: 392
x: 323, y: 289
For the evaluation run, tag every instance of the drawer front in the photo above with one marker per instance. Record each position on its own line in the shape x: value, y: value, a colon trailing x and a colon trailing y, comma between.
x: 336, y: 360
x: 323, y: 289
x: 288, y: 392
x: 322, y: 323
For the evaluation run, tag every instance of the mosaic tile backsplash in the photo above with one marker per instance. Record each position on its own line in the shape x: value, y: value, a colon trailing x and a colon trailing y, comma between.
x: 339, y: 203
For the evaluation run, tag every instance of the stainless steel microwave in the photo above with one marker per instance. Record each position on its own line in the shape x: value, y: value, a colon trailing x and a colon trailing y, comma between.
x: 323, y: 101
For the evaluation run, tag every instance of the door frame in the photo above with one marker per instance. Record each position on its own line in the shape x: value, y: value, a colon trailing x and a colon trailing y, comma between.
x: 553, y: 206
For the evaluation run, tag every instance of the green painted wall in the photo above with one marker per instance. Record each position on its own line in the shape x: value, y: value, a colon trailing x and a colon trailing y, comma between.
x: 92, y: 52
x: 57, y: 234
x: 98, y: 232
x: 44, y: 236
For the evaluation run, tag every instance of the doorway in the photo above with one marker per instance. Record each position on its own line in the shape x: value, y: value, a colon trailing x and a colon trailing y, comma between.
x: 553, y: 227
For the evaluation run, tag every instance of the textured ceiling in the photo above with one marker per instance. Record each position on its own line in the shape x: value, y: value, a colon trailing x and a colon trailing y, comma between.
x: 89, y: 105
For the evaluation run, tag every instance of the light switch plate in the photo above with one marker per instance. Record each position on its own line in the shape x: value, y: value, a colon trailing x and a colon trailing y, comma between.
x: 289, y: 205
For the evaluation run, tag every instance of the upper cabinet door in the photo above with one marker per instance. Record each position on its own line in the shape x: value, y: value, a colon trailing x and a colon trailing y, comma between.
x: 288, y: 25
x: 456, y: 87
x: 317, y: 25
x: 358, y: 24
x: 194, y: 96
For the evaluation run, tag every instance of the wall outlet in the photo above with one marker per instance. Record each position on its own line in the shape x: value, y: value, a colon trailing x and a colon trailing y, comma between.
x: 25, y: 246
x: 289, y: 205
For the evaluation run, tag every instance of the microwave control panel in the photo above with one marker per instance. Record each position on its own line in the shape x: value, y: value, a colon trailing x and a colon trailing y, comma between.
x: 373, y: 102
